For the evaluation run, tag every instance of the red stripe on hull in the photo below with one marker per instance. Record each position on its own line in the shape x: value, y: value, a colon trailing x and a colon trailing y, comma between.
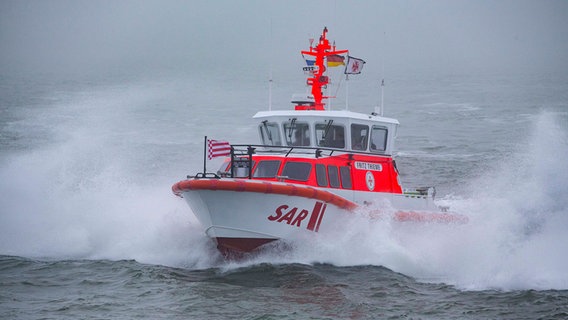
x: 315, y: 216
x: 320, y: 217
x: 241, y: 185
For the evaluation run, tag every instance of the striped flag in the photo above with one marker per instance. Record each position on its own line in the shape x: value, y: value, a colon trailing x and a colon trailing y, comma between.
x: 218, y: 148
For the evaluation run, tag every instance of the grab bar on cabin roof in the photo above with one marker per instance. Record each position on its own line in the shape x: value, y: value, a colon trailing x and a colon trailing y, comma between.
x: 282, y: 149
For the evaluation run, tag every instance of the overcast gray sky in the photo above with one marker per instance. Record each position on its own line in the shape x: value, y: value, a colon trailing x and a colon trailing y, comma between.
x: 462, y: 35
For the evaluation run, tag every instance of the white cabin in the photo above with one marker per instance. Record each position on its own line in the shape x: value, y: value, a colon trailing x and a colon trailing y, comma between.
x: 343, y: 130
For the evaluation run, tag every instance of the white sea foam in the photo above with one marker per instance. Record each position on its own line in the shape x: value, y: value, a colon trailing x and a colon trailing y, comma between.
x: 95, y: 192
x: 102, y: 191
x: 515, y: 239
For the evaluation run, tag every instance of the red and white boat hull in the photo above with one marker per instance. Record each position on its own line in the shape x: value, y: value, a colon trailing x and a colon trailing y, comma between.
x: 242, y: 215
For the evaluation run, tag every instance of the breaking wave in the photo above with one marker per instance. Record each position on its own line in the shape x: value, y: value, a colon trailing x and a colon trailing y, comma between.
x: 88, y: 196
x: 515, y: 238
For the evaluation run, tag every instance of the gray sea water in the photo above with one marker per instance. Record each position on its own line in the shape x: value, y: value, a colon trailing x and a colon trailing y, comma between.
x: 89, y: 228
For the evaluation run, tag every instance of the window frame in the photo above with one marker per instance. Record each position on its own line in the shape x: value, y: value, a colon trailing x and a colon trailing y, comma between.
x: 334, y: 182
x: 306, y: 165
x: 321, y: 175
x: 256, y: 168
x: 356, y: 139
x: 345, y: 174
x: 266, y: 126
x: 328, y: 141
x: 384, y: 142
x: 305, y: 128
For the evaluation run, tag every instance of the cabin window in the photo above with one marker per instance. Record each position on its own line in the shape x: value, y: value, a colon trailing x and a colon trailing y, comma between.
x: 345, y: 177
x: 321, y: 175
x: 269, y: 133
x: 330, y: 135
x: 297, y: 170
x: 266, y: 169
x: 359, y: 136
x: 333, y: 174
x: 379, y: 139
x: 297, y: 133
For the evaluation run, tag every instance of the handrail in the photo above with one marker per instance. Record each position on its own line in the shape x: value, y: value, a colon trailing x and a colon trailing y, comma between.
x: 292, y: 148
x: 286, y: 150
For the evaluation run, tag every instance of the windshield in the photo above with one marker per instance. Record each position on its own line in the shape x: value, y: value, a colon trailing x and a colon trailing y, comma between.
x: 297, y: 134
x: 269, y: 133
x: 329, y: 135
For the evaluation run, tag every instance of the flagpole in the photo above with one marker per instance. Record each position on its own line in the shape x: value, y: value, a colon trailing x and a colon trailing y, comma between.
x: 325, y: 90
x: 346, y: 92
x: 205, y: 156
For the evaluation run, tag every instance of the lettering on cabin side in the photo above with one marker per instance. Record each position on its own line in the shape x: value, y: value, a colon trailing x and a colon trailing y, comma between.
x: 294, y: 216
x: 368, y: 166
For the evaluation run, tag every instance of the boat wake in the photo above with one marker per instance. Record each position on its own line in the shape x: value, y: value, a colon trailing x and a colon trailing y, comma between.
x: 515, y: 238
x: 65, y: 202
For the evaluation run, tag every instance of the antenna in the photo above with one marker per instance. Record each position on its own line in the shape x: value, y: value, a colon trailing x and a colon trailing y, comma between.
x: 382, y: 97
x: 379, y: 105
x: 270, y: 91
x: 382, y: 87
x: 270, y: 75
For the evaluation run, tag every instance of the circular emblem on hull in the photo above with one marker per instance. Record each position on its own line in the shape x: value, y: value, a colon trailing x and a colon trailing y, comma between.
x: 370, y: 179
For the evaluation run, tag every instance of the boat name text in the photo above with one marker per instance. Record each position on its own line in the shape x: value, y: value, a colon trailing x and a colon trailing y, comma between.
x: 368, y: 166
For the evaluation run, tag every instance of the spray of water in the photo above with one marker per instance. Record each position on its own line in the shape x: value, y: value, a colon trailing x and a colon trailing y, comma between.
x: 515, y: 238
x: 97, y: 189
x: 519, y: 213
x: 85, y: 196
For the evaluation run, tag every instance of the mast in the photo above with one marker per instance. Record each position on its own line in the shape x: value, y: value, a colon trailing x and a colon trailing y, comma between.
x: 318, y: 79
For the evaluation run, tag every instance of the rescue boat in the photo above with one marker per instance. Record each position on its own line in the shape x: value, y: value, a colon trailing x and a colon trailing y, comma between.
x: 311, y: 168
